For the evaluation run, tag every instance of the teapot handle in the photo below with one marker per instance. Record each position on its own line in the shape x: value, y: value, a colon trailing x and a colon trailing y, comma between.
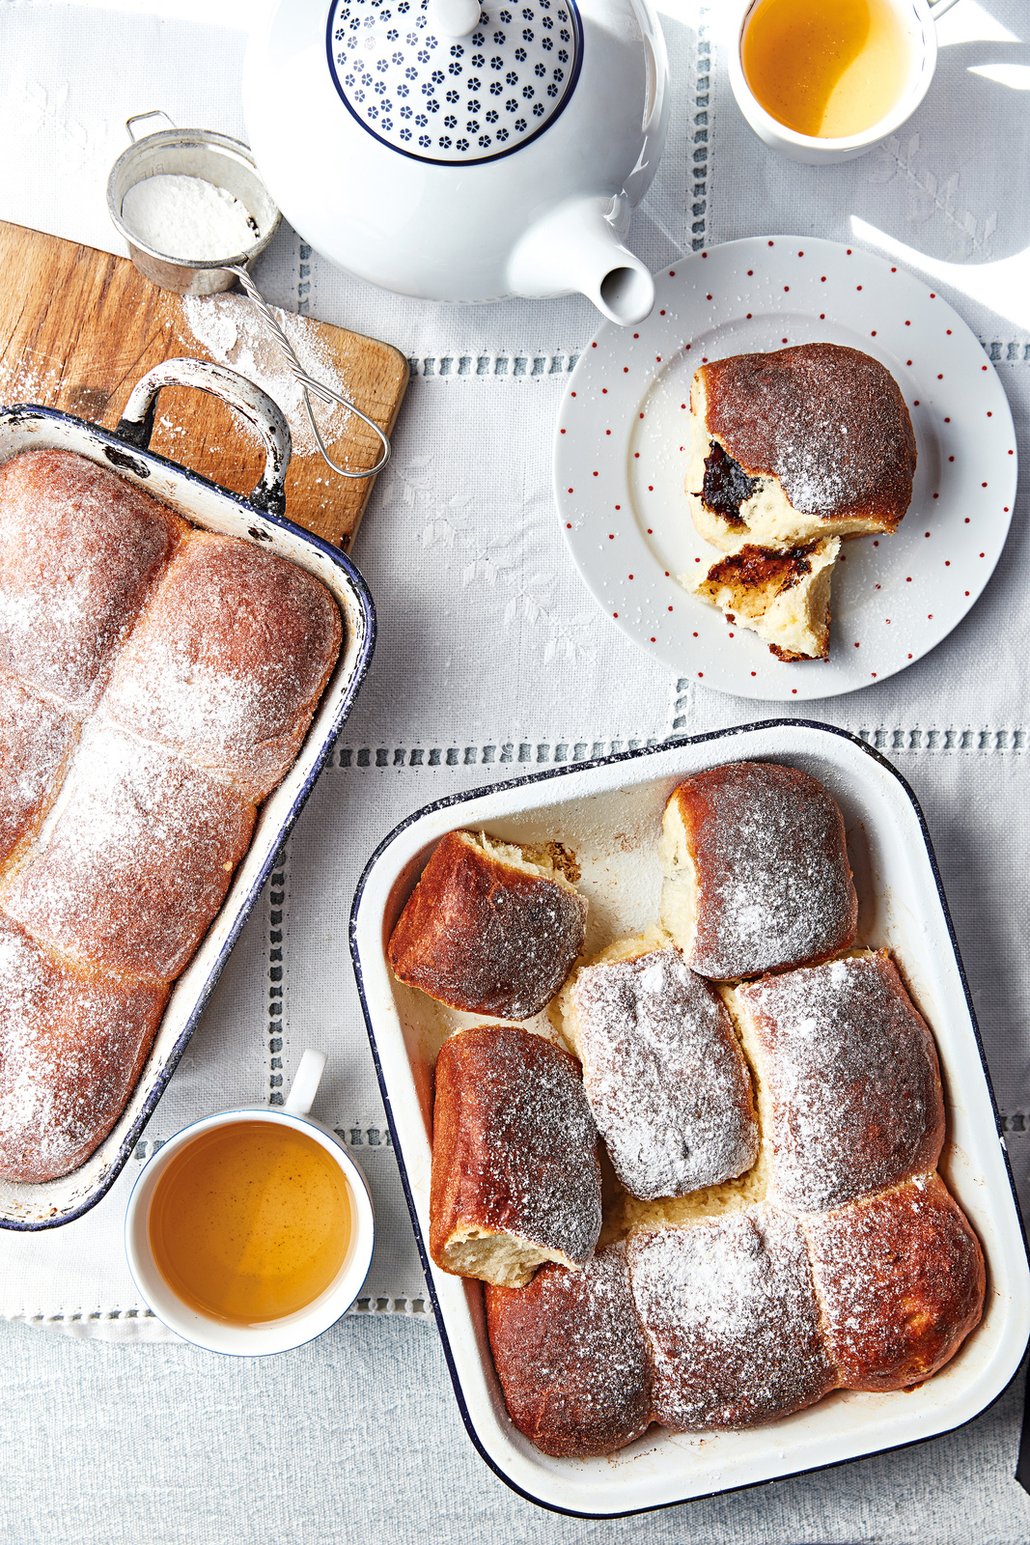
x: 455, y: 18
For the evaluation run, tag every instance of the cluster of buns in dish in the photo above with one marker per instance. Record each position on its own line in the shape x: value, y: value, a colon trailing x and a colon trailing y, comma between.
x: 156, y: 683
x: 726, y: 1203
x: 792, y: 452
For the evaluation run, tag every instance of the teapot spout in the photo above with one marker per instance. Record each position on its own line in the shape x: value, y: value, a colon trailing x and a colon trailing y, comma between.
x: 576, y: 247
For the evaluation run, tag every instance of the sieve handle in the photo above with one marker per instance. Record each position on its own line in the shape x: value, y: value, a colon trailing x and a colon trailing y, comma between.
x: 255, y: 406
x: 155, y: 112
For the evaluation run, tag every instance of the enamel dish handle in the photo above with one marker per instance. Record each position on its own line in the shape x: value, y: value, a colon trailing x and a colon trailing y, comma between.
x: 256, y: 407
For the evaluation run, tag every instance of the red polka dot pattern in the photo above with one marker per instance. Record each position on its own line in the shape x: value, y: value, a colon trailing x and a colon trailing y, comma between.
x: 943, y: 553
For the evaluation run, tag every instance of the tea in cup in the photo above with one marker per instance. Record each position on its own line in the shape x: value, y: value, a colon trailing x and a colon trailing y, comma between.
x: 251, y: 1231
x: 824, y: 82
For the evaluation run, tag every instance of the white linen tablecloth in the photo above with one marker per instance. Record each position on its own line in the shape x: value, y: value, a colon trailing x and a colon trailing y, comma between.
x: 492, y: 656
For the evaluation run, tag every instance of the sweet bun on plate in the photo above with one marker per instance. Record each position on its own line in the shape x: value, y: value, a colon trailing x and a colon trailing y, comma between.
x: 783, y: 596
x: 798, y: 444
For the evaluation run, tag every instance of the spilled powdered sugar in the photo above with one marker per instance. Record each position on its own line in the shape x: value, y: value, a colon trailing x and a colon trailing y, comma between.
x: 231, y: 331
x: 664, y: 1075
x: 730, y: 1313
x: 851, y: 1076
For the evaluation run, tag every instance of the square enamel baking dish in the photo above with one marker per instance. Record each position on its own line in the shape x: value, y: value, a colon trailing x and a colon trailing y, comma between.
x: 610, y: 812
x: 257, y: 519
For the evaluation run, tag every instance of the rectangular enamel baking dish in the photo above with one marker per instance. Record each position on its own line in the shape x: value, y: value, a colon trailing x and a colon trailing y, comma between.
x: 610, y: 812
x: 259, y: 520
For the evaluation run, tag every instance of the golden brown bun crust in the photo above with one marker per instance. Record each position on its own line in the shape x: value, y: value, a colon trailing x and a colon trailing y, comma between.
x: 729, y: 1307
x: 79, y: 548
x: 228, y: 660
x: 73, y: 1042
x: 829, y: 422
x: 514, y: 1144
x: 36, y: 737
x: 901, y: 1280
x: 138, y: 861
x: 483, y: 936
x: 774, y: 881
x: 571, y: 1357
x: 851, y: 1074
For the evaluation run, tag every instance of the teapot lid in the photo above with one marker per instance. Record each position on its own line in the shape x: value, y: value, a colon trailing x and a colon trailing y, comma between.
x: 452, y: 82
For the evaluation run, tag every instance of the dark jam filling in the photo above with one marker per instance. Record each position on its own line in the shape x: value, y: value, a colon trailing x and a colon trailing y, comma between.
x: 726, y: 485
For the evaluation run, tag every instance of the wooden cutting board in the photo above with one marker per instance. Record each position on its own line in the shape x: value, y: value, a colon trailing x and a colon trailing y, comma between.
x: 79, y: 327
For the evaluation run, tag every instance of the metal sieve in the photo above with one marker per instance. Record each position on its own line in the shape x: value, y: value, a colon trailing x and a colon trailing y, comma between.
x: 227, y: 163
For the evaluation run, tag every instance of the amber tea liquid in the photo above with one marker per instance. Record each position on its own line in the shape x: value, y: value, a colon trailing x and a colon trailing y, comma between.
x: 828, y: 68
x: 250, y: 1221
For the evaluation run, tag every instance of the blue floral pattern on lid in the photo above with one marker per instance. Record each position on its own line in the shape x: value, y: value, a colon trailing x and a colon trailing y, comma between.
x: 448, y: 100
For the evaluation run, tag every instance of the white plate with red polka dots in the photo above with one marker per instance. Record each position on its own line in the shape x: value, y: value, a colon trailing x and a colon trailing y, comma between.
x: 620, y: 455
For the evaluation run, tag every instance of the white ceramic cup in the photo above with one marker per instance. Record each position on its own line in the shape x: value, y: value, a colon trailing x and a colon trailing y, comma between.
x: 291, y: 1330
x: 918, y: 19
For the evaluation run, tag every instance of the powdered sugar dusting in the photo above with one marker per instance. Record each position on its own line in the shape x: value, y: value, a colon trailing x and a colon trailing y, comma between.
x: 829, y: 422
x: 228, y: 660
x: 138, y: 858
x: 78, y: 549
x: 730, y: 1312
x: 35, y: 738
x: 851, y: 1076
x: 527, y: 1141
x: 664, y: 1075
x: 484, y: 935
x: 900, y: 1279
x: 576, y: 1335
x: 774, y: 880
x: 233, y: 334
x: 70, y: 1048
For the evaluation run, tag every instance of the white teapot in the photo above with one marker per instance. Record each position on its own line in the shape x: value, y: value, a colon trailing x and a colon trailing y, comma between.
x: 463, y: 151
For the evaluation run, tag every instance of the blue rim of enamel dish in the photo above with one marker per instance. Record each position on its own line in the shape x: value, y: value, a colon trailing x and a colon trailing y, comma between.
x: 615, y: 759
x: 121, y: 455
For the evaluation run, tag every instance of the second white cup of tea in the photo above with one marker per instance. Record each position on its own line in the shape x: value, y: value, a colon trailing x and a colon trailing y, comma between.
x: 210, y: 1330
x: 916, y: 21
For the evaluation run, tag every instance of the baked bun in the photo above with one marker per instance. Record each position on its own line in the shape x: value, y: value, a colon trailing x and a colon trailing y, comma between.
x: 73, y: 1041
x: 729, y: 1310
x: 900, y: 1278
x: 228, y: 660
x: 137, y: 861
x: 851, y: 1089
x: 798, y: 444
x: 36, y: 738
x: 783, y: 596
x: 756, y: 872
x: 516, y: 1179
x: 571, y: 1357
x: 663, y: 1071
x: 490, y: 928
x: 79, y: 549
